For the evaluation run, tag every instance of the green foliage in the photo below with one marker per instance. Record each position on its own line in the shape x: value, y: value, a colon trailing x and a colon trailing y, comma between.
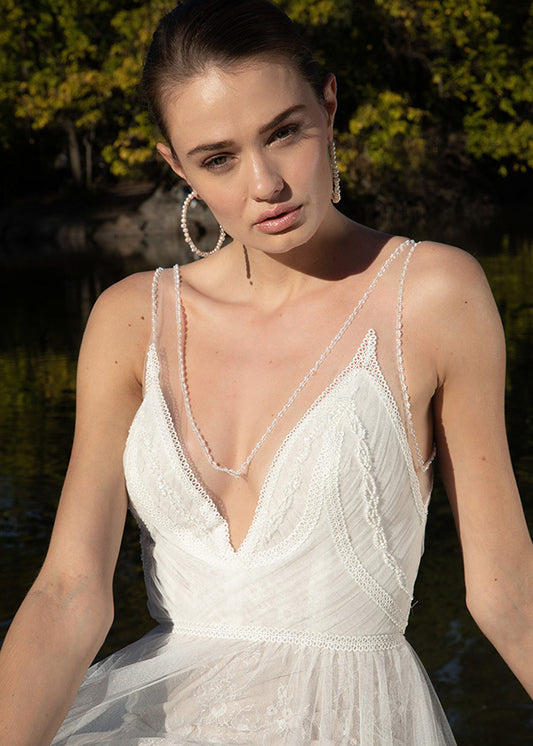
x: 485, y: 84
x: 383, y: 135
x: 317, y: 13
x: 135, y: 137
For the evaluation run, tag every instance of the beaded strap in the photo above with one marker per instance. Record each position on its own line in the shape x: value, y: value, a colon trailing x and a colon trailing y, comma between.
x: 246, y: 463
x: 155, y: 285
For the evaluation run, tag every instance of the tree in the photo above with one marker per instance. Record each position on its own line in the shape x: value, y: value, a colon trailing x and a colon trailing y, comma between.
x: 481, y: 83
x: 51, y: 69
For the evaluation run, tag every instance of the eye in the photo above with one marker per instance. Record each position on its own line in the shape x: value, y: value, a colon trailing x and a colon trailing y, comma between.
x: 284, y: 132
x: 216, y: 162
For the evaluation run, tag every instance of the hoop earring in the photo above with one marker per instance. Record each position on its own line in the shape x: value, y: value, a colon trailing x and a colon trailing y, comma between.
x: 187, y: 235
x: 336, y: 186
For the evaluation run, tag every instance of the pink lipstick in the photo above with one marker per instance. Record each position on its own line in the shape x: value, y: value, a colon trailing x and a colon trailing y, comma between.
x: 279, y: 219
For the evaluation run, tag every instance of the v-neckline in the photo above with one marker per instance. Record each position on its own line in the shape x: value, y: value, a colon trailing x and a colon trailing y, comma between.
x: 181, y: 357
x: 368, y: 344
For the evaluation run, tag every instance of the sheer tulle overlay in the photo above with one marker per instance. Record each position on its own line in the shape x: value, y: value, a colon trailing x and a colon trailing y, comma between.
x: 172, y: 688
x: 296, y: 637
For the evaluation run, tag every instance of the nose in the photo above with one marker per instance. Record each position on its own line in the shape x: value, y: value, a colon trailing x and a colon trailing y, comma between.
x: 265, y: 178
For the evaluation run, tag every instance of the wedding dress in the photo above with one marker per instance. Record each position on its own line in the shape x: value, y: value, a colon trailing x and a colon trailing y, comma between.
x: 297, y: 636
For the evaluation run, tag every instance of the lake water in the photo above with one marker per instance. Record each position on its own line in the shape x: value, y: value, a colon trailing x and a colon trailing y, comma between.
x: 45, y: 299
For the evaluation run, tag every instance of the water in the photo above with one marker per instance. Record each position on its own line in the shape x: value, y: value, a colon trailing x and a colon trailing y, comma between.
x: 44, y: 303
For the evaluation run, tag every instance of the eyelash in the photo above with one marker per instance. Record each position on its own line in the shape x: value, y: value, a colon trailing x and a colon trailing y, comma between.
x: 290, y: 129
x: 283, y: 133
x: 211, y: 163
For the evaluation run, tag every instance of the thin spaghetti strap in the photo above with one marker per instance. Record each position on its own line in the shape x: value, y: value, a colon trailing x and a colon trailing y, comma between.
x: 424, y: 465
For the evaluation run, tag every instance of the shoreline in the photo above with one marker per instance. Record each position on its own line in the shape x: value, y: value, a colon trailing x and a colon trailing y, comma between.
x: 142, y: 218
x: 120, y: 220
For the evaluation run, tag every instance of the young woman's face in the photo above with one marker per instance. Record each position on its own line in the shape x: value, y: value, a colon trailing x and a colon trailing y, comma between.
x: 252, y: 141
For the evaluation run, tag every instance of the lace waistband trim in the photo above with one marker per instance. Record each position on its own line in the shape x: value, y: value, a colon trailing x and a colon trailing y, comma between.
x: 302, y: 638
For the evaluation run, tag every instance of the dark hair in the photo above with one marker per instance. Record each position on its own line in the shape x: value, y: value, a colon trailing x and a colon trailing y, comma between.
x: 198, y: 33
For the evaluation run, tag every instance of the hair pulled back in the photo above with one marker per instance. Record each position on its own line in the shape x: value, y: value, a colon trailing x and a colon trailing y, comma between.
x: 198, y: 33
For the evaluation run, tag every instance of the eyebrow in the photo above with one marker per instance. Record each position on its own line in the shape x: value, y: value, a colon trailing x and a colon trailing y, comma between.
x: 224, y: 144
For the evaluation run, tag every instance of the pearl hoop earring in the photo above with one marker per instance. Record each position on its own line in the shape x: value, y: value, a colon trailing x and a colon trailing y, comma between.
x: 336, y: 186
x: 187, y: 235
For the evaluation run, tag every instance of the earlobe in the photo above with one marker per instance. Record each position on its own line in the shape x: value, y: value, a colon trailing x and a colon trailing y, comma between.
x: 166, y: 153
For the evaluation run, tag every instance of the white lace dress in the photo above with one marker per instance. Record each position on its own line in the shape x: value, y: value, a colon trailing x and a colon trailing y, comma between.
x: 298, y: 636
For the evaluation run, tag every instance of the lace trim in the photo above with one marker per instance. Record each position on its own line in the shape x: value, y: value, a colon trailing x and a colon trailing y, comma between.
x: 372, y: 500
x: 346, y: 552
x: 424, y: 465
x: 302, y: 638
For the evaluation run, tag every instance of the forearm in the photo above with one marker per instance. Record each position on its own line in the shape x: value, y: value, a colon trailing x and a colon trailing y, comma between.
x: 47, y: 651
x: 515, y: 645
x: 505, y: 616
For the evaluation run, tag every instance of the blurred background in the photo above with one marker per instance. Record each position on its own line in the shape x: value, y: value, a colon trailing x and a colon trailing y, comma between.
x: 435, y: 140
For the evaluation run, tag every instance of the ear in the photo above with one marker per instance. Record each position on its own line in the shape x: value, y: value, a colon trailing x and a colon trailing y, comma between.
x: 166, y: 153
x: 330, y: 101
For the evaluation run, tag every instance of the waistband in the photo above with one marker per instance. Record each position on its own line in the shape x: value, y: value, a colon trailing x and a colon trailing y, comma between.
x: 300, y: 638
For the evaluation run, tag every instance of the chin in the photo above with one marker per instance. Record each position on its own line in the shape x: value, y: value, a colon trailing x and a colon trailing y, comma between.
x: 284, y: 243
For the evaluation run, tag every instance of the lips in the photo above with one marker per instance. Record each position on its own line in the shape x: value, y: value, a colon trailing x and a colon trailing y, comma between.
x: 278, y: 219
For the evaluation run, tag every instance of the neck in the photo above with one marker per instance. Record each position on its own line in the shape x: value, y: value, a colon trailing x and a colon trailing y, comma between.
x: 326, y: 257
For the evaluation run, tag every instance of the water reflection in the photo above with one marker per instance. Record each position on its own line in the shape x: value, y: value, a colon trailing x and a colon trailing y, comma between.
x: 46, y: 304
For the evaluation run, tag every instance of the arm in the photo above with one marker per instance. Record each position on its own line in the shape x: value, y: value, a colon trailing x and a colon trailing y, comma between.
x: 474, y: 459
x: 67, y: 613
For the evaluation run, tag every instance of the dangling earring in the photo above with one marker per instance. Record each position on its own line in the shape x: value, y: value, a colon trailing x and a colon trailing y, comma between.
x: 336, y: 186
x: 187, y: 235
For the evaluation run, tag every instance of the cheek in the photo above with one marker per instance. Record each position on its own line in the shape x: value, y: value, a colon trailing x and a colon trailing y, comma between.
x: 227, y: 207
x: 317, y: 173
x: 314, y: 165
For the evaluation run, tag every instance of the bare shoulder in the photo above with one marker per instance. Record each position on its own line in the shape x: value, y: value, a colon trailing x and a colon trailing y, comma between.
x: 449, y: 299
x: 447, y: 272
x: 446, y: 281
x: 127, y: 296
x: 119, y: 325
x: 126, y: 303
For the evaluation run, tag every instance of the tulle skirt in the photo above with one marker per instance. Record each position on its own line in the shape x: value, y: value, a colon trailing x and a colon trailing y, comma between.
x: 170, y: 688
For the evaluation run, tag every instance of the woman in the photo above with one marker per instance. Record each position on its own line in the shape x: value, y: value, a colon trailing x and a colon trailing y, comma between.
x: 278, y: 403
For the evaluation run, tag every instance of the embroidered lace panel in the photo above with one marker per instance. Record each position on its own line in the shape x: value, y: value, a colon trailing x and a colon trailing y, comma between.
x: 347, y: 552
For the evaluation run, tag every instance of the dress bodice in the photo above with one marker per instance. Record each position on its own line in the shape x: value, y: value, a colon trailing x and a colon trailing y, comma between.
x: 336, y: 539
